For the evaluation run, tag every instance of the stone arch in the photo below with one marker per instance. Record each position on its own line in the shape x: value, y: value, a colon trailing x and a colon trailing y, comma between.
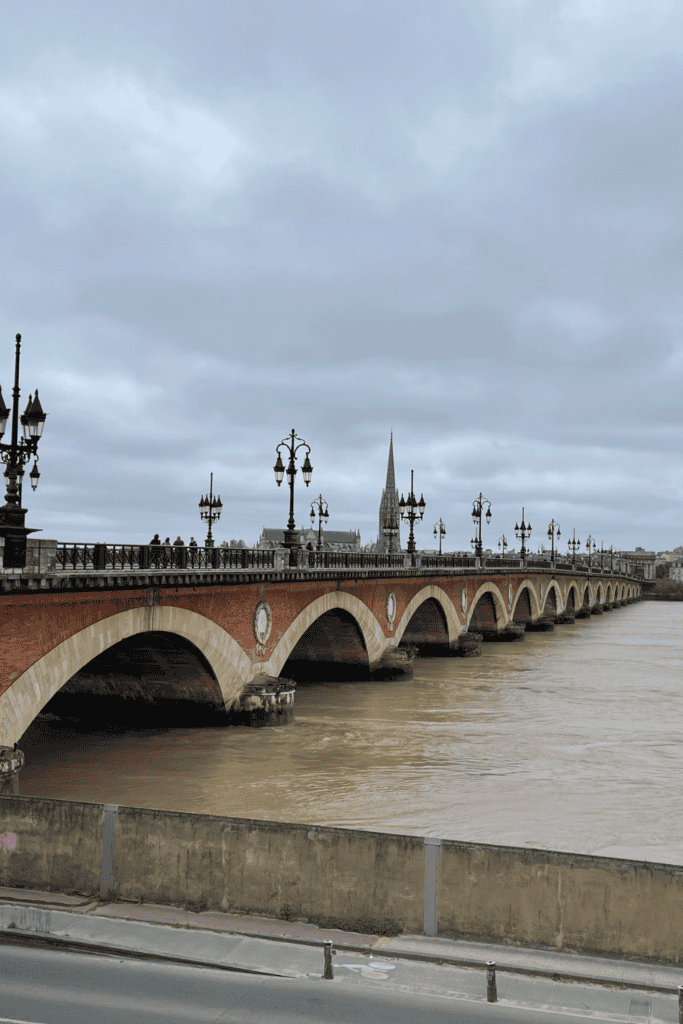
x: 554, y: 604
x: 370, y: 629
x: 447, y: 607
x: 498, y: 603
x: 534, y: 604
x: 573, y: 599
x: 608, y: 595
x: 28, y: 694
x: 587, y: 597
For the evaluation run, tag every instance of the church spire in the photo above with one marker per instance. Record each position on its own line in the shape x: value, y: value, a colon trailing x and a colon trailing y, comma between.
x: 390, y: 485
x: 389, y: 538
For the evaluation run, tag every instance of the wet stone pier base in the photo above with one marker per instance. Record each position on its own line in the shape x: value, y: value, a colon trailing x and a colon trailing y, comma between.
x: 265, y: 701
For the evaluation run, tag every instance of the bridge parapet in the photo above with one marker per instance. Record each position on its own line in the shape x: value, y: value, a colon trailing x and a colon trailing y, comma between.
x: 49, y: 556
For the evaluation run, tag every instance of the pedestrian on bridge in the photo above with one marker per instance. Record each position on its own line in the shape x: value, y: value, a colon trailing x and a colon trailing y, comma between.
x: 193, y: 543
x: 178, y: 542
x: 155, y: 542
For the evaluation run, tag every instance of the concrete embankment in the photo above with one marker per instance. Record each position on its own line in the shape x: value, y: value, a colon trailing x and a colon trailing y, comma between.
x: 369, y: 882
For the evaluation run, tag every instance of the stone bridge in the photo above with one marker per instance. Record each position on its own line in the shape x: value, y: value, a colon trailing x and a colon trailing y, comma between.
x: 194, y: 641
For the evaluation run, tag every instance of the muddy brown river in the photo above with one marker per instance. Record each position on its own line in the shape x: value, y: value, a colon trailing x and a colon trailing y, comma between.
x: 569, y: 740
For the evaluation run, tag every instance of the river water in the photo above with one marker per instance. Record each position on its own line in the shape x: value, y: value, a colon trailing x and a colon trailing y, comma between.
x: 569, y: 740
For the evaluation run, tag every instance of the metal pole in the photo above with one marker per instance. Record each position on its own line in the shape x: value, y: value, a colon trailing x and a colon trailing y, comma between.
x: 329, y: 953
x: 680, y: 1004
x: 491, y: 993
x: 209, y: 538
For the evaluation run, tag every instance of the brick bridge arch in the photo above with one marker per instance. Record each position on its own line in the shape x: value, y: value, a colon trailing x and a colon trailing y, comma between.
x: 453, y: 624
x: 29, y: 694
x: 534, y: 603
x: 370, y: 629
x: 502, y: 617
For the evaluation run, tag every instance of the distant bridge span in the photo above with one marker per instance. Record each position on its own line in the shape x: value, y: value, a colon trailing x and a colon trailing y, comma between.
x: 203, y: 636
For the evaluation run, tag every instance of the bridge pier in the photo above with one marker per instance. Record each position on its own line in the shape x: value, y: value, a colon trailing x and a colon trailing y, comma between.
x: 583, y: 613
x: 596, y: 609
x: 469, y: 644
x: 543, y: 624
x: 265, y: 701
x: 11, y: 763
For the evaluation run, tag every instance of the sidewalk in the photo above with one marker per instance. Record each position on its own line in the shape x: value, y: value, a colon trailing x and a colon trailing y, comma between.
x: 283, y: 948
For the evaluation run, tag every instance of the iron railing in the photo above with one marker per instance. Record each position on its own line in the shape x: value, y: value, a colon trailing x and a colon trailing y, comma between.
x: 447, y: 562
x: 162, y: 557
x: 169, y: 558
x: 355, y: 560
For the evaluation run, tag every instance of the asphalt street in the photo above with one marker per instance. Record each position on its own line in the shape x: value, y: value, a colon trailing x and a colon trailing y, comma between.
x: 44, y: 986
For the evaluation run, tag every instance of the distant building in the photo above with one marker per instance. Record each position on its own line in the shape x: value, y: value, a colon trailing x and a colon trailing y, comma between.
x: 642, y: 562
x: 676, y: 570
x: 332, y: 540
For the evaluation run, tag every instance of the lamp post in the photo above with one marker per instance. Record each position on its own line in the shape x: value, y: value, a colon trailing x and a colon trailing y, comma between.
x: 603, y: 552
x: 15, y: 455
x: 553, y: 532
x: 323, y: 513
x: 440, y: 528
x: 574, y: 545
x: 591, y: 546
x: 412, y: 512
x: 477, y: 509
x: 522, y: 532
x: 611, y: 557
x: 290, y: 445
x: 210, y: 508
x: 503, y: 544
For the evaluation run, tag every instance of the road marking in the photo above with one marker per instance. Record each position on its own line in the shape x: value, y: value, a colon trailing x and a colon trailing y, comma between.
x: 371, y: 970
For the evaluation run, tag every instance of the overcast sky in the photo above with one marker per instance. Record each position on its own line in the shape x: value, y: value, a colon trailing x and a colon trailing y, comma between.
x: 456, y: 219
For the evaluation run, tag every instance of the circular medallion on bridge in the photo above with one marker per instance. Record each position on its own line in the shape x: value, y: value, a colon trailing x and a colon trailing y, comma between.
x: 263, y: 622
x: 463, y: 600
x: 391, y: 609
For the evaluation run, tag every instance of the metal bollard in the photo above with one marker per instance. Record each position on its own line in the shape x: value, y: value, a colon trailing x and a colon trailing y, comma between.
x: 491, y: 993
x: 680, y: 1004
x: 329, y: 953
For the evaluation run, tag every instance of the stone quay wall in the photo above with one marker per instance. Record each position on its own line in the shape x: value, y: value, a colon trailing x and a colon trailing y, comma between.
x: 369, y: 881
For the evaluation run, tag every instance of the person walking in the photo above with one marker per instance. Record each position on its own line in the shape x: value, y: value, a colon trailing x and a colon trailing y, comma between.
x: 155, y: 542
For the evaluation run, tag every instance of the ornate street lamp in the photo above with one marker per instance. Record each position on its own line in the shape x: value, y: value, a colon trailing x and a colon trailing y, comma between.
x: 15, y: 455
x: 591, y: 546
x: 503, y: 544
x: 323, y: 513
x: 522, y: 532
x: 574, y: 545
x: 412, y: 512
x: 290, y: 445
x: 210, y: 508
x: 553, y: 532
x: 610, y: 551
x: 477, y: 509
x: 440, y: 529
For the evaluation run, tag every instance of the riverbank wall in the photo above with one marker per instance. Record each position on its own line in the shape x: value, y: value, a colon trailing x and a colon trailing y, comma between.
x: 374, y: 882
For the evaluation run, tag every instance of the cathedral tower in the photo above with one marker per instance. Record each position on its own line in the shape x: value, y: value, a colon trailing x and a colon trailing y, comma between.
x: 389, y: 538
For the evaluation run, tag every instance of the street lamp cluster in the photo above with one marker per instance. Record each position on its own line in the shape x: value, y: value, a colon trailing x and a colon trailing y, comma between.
x: 412, y: 511
x: 210, y: 508
x: 15, y: 455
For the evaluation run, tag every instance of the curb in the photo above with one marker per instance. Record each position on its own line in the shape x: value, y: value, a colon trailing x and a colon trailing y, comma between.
x: 10, y: 936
